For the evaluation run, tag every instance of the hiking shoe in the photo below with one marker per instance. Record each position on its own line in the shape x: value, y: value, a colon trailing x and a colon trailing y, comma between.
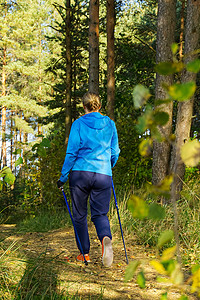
x: 81, y: 258
x: 107, y: 252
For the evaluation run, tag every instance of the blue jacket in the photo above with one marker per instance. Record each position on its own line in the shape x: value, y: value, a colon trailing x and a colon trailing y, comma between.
x: 92, y: 146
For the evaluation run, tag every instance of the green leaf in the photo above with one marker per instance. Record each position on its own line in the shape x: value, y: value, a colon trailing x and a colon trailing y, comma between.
x: 130, y: 270
x: 156, y: 212
x: 140, y: 95
x: 41, y: 151
x: 45, y: 143
x: 161, y: 117
x: 145, y: 147
x: 165, y: 237
x: 138, y: 207
x: 4, y: 171
x: 168, y: 68
x: 190, y: 153
x: 183, y: 297
x: 17, y: 151
x: 193, y: 66
x: 163, y: 187
x: 19, y: 161
x: 141, y: 280
x: 35, y: 146
x: 1, y: 185
x: 9, y: 178
x: 174, y: 48
x: 195, y: 268
x: 182, y: 91
x: 145, y: 121
x: 164, y: 296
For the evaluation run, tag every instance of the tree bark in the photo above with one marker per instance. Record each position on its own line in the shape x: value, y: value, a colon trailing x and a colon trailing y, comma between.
x: 185, y: 109
x: 94, y: 47
x: 67, y: 101
x: 165, y: 37
x: 182, y: 30
x: 3, y: 112
x: 110, y: 58
x: 11, y: 141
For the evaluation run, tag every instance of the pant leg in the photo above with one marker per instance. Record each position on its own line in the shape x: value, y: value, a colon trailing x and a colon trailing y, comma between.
x: 79, y: 189
x: 99, y: 204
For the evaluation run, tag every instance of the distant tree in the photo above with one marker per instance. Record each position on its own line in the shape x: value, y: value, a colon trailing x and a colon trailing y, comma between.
x: 24, y: 86
x: 67, y: 101
x: 94, y: 46
x: 3, y: 88
x: 165, y: 37
x: 110, y: 58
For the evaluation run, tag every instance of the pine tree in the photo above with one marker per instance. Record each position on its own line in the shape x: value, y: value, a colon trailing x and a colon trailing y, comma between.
x: 94, y: 47
x: 110, y: 58
x: 165, y: 38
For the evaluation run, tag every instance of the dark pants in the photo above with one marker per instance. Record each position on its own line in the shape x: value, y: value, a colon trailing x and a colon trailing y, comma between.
x: 98, y: 186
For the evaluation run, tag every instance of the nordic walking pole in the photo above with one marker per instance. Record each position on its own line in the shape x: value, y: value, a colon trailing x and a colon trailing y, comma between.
x: 119, y: 220
x: 85, y: 261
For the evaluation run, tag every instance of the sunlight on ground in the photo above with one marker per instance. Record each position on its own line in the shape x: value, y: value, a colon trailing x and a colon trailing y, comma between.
x: 42, y: 256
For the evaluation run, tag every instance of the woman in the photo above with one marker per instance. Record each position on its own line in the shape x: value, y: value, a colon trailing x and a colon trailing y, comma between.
x: 91, y: 153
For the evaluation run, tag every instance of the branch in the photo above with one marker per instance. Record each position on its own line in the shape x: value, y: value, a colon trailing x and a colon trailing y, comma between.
x: 145, y: 43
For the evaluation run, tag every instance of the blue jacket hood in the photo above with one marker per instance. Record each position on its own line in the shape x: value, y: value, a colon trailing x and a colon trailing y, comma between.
x: 95, y: 120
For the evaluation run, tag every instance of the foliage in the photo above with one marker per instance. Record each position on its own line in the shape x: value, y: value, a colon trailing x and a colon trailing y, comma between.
x: 23, y: 277
x: 166, y: 265
x: 44, y: 221
x: 131, y: 169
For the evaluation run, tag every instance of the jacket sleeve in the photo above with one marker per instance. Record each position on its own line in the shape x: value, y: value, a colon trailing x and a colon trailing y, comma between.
x: 72, y: 151
x: 114, y: 146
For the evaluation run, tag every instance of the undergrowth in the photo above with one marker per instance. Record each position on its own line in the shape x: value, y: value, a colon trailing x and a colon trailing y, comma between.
x: 44, y: 221
x: 147, y: 231
x: 37, y: 278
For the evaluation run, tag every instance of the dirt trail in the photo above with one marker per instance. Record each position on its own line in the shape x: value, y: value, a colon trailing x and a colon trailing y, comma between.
x: 92, y: 281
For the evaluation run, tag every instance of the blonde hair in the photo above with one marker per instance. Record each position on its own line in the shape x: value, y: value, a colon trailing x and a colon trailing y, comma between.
x: 91, y: 101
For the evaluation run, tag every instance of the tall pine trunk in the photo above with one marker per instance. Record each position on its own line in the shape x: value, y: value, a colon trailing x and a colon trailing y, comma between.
x: 185, y: 109
x: 3, y: 111
x: 110, y: 58
x: 182, y: 30
x: 67, y: 101
x: 94, y: 47
x: 165, y: 37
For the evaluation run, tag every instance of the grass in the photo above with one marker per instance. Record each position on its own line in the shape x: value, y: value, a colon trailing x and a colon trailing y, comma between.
x: 44, y: 221
x: 32, y: 278
x: 147, y: 231
x: 37, y: 278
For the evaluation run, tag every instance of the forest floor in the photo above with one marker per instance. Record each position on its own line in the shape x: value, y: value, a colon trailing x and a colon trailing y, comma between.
x: 43, y: 257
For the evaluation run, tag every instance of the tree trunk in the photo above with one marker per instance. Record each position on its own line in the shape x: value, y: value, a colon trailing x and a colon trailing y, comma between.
x: 40, y: 76
x: 110, y: 58
x: 182, y: 30
x: 11, y: 140
x: 74, y: 114
x: 3, y: 112
x: 185, y: 109
x: 94, y: 47
x: 165, y: 37
x: 67, y: 101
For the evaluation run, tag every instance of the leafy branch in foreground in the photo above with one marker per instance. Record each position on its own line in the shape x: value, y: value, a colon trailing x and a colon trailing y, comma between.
x: 150, y: 126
